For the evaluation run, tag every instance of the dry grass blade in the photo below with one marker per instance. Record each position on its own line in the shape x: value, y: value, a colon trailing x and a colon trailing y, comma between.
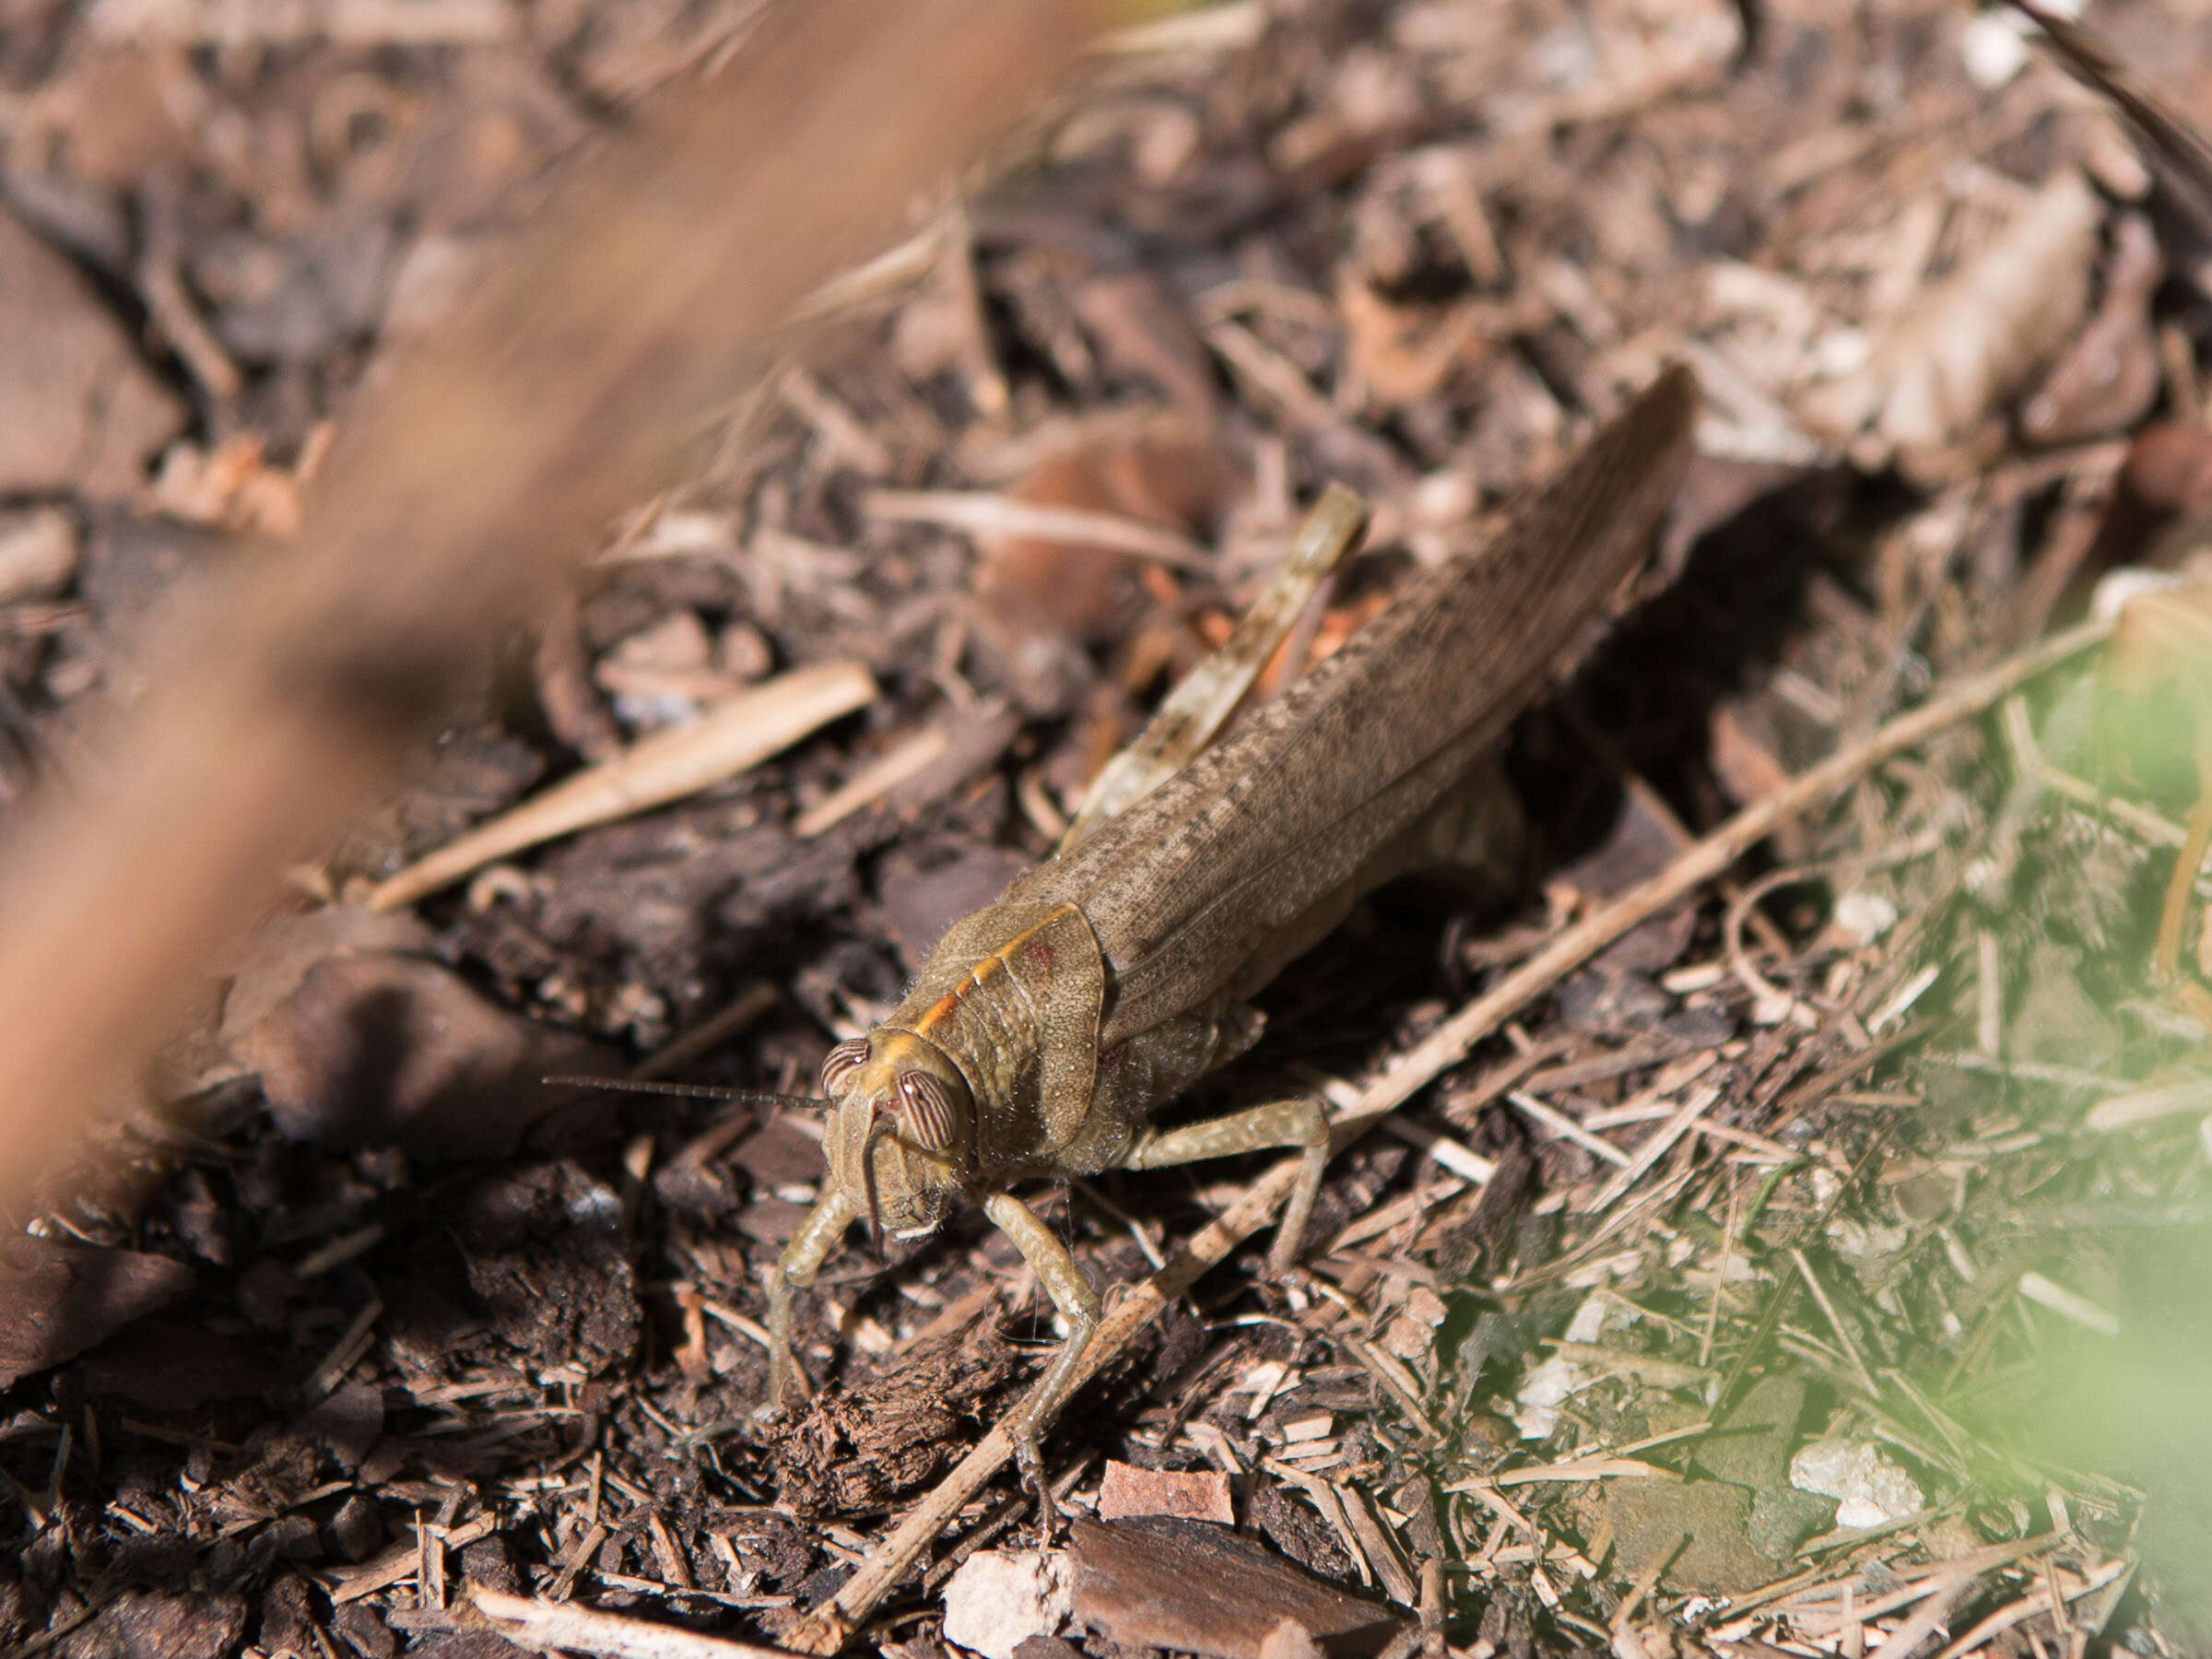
x: 896, y: 766
x: 981, y: 513
x: 2149, y: 1106
x: 833, y: 1623
x: 726, y: 740
x: 558, y: 1626
x: 557, y: 395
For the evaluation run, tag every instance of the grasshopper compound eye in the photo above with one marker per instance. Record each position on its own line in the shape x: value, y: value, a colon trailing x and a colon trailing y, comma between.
x: 842, y: 1061
x: 925, y: 1110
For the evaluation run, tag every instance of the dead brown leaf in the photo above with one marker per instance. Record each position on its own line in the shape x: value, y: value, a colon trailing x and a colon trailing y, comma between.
x: 78, y: 409
x: 1139, y: 329
x: 375, y: 1050
x: 1940, y: 378
x: 1404, y: 353
x: 1168, y: 474
x: 2169, y: 467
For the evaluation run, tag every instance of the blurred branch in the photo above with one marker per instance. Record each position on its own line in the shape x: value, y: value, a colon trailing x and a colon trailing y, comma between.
x: 475, y: 467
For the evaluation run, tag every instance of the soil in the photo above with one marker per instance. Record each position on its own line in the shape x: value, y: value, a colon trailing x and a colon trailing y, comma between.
x: 378, y: 1307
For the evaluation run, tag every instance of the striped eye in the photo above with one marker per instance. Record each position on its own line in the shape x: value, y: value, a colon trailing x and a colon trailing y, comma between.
x: 925, y: 1110
x: 842, y: 1062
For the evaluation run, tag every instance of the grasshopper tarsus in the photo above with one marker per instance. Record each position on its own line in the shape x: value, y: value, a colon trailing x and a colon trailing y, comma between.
x: 1028, y: 1467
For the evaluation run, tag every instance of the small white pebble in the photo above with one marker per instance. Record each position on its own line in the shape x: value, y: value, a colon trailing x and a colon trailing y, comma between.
x: 1444, y: 498
x: 1863, y: 917
x: 1841, y: 351
x: 1869, y: 1489
x: 37, y: 553
x: 1000, y: 1598
x: 1404, y: 1338
x: 1993, y: 49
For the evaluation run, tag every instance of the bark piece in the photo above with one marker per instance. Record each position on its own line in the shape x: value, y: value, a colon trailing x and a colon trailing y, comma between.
x: 864, y: 1447
x: 147, y: 1624
x: 56, y: 1300
x: 545, y: 1259
x: 345, y: 1424
x: 1186, y: 1585
x: 1700, y: 1532
x: 356, y: 1531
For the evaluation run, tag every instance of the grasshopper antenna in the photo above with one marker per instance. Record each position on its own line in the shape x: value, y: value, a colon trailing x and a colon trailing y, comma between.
x: 691, y: 1092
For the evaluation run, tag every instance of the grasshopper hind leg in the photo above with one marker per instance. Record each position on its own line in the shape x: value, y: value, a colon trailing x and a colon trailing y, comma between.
x: 1298, y: 1123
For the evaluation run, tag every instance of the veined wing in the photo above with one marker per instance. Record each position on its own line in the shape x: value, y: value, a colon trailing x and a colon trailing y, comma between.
x: 1185, y: 885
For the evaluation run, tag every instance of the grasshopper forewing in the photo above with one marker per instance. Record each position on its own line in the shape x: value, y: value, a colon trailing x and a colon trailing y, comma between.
x: 1047, y: 1026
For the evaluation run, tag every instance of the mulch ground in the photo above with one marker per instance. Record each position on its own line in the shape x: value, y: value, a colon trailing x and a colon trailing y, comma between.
x: 1819, y: 1269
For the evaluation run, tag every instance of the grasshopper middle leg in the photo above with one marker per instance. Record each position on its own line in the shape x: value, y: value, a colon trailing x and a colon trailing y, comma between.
x: 1299, y: 1123
x: 1077, y: 1303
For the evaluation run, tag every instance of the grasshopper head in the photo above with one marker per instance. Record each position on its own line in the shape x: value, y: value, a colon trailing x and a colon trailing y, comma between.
x: 898, y: 1129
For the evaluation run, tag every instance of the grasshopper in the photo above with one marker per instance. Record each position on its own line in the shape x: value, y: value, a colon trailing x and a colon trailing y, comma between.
x: 1046, y: 1029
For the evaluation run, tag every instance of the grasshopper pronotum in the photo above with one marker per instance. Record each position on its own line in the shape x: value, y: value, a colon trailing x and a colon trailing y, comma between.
x: 1047, y: 1026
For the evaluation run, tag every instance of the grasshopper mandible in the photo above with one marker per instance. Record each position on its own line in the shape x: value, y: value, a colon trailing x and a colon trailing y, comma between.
x: 1046, y: 1028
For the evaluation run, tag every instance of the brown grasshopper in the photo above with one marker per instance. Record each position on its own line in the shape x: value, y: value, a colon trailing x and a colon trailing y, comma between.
x: 1046, y: 1028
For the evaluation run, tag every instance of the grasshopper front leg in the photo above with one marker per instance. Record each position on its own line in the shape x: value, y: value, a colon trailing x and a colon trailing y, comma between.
x: 1299, y: 1123
x: 801, y: 1260
x: 1077, y: 1303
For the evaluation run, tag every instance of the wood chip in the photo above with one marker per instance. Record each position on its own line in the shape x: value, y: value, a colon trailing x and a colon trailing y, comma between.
x: 401, y: 1562
x: 1196, y: 1495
